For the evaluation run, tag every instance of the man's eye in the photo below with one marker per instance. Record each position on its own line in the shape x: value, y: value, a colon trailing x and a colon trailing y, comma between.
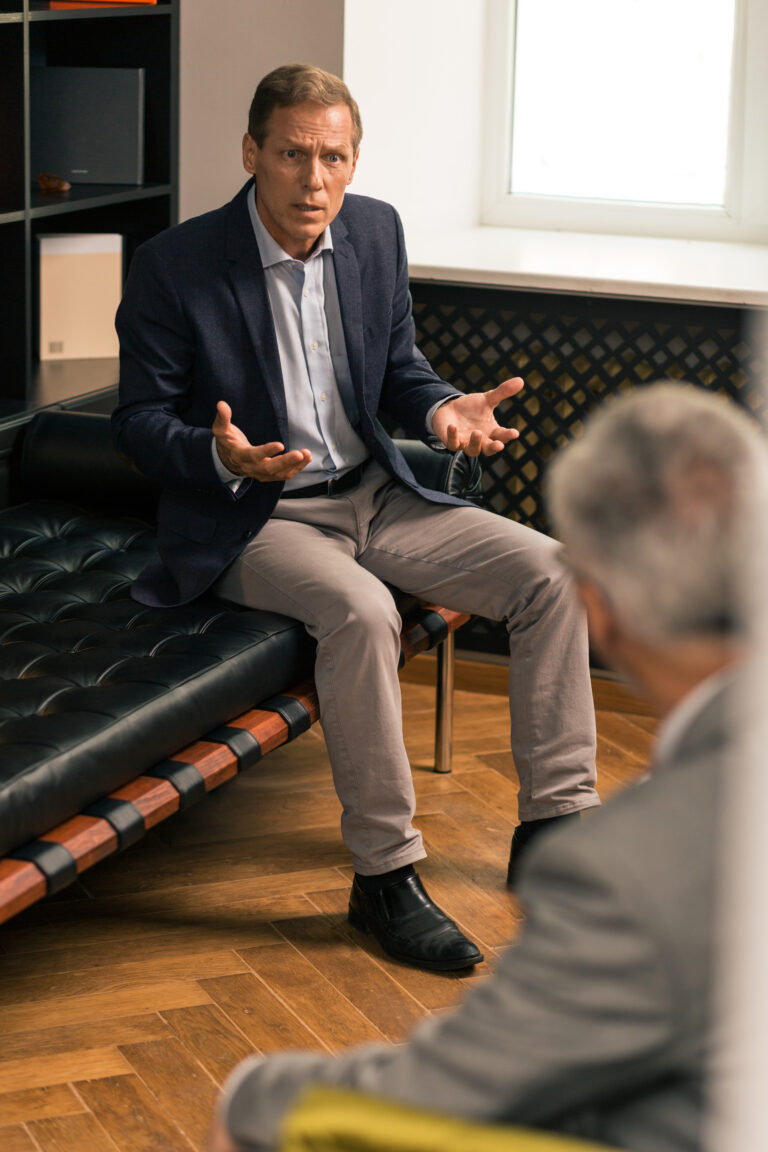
x: 291, y: 153
x: 333, y: 157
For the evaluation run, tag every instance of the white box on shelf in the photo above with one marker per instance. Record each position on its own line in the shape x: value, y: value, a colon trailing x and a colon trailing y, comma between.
x: 81, y: 282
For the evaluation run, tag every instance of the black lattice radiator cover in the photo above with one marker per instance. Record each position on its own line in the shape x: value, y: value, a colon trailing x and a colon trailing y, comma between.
x: 572, y: 351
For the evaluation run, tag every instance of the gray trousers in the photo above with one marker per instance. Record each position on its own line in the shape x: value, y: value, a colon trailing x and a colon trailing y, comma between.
x: 323, y: 560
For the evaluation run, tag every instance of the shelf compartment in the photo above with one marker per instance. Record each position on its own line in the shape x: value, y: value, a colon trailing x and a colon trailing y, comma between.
x: 86, y: 196
x: 127, y: 45
x: 11, y: 118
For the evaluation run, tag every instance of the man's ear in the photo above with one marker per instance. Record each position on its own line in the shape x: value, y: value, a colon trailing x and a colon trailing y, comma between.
x: 250, y: 151
x: 354, y: 165
x: 603, y: 630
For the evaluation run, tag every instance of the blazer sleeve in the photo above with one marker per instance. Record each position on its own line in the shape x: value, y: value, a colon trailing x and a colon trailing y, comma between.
x: 156, y: 378
x: 580, y: 1012
x: 411, y: 387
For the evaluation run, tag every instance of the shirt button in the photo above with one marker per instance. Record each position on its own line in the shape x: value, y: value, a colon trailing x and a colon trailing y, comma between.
x: 323, y: 395
x: 306, y: 293
x: 313, y: 345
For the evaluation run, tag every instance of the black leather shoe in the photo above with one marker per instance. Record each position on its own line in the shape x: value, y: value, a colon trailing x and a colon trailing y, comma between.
x: 527, y: 831
x: 410, y: 927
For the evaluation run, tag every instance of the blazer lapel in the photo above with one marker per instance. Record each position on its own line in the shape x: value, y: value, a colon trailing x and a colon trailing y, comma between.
x: 250, y: 288
x: 351, y: 302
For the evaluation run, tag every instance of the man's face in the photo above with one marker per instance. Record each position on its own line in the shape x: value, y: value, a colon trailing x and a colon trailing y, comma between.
x: 302, y: 172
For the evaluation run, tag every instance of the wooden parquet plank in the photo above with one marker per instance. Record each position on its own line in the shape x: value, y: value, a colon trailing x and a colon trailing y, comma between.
x: 497, y: 793
x: 36, y: 1103
x: 25, y: 1017
x: 625, y: 734
x: 131, y: 1115
x: 62, y: 1068
x: 81, y: 1133
x: 355, y: 974
x: 263, y: 856
x: 474, y: 839
x: 210, y: 1037
x: 50, y: 1041
x: 318, y: 1004
x: 14, y: 1138
x: 119, y: 978
x: 616, y: 769
x: 268, y: 1024
x: 207, y: 912
x: 174, y: 1076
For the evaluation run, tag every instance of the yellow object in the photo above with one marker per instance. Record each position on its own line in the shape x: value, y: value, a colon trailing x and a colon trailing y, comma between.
x: 338, y: 1120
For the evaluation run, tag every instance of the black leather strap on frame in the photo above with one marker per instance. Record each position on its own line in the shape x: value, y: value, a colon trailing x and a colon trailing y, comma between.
x: 124, y: 817
x: 243, y: 743
x: 185, y: 778
x: 54, y: 861
x: 295, y: 714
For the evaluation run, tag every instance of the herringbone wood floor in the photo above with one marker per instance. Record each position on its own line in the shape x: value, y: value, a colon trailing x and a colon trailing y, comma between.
x: 125, y: 1001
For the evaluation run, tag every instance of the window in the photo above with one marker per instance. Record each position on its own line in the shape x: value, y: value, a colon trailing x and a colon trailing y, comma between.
x: 637, y: 116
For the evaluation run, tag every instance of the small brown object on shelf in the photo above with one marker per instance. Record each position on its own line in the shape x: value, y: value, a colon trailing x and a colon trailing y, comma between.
x: 51, y: 183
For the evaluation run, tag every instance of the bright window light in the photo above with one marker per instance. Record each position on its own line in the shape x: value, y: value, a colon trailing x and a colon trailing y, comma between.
x: 623, y: 100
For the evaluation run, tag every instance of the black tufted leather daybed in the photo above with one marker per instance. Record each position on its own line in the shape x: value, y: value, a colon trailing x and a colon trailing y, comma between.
x: 113, y: 716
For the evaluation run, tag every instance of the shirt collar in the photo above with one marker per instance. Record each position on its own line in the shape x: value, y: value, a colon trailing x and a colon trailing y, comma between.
x: 694, y: 703
x: 270, y: 251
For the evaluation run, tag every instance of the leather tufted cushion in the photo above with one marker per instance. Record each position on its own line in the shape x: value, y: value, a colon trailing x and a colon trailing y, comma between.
x: 95, y: 688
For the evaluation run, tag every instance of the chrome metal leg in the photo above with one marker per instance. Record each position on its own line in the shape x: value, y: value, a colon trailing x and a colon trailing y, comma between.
x: 444, y: 705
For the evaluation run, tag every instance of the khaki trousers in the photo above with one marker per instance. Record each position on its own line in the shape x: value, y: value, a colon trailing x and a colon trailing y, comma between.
x: 323, y: 560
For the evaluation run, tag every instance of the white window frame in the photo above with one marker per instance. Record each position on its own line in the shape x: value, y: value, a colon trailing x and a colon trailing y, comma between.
x: 744, y: 218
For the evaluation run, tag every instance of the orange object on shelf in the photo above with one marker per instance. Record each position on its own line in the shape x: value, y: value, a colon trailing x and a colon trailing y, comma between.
x: 57, y: 5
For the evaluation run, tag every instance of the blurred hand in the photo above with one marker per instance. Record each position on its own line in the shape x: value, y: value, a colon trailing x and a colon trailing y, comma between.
x: 469, y: 421
x: 265, y: 462
x: 220, y: 1139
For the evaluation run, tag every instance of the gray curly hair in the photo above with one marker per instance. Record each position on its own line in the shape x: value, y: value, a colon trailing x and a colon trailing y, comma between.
x: 658, y: 503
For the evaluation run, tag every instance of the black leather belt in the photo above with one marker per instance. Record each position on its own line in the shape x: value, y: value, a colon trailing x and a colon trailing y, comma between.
x: 331, y: 487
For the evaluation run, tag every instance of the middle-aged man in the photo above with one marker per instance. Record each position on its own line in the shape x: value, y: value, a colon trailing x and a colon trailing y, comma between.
x: 282, y: 322
x: 598, y: 1021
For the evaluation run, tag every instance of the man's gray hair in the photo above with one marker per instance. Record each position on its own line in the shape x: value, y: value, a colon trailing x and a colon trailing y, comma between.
x: 657, y: 504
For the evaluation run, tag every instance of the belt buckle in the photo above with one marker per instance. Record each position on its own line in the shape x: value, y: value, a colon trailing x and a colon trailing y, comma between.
x: 331, y: 485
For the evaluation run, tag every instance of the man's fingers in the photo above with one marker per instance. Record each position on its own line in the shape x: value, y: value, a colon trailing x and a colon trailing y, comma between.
x: 452, y: 438
x: 504, y: 390
x: 269, y: 462
x: 264, y: 452
x: 504, y: 434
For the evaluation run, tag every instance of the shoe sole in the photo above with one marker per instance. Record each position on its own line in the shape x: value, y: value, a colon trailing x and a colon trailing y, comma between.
x: 357, y: 922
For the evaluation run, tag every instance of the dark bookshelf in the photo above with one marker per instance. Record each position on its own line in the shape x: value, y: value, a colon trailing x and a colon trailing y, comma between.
x: 125, y: 36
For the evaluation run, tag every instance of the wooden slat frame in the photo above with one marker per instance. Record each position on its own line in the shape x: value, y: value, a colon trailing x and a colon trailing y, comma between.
x: 89, y: 839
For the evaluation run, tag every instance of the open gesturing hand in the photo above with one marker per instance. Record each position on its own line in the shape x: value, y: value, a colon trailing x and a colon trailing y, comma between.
x: 265, y: 462
x: 469, y: 421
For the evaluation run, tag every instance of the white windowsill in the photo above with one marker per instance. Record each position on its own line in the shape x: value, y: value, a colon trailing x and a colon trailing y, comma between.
x: 585, y: 263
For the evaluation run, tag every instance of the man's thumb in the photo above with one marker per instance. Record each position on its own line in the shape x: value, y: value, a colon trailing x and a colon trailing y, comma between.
x: 223, y: 417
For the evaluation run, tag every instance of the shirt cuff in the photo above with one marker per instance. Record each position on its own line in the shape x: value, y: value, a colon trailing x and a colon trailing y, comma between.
x: 231, y: 479
x: 434, y: 440
x: 433, y: 409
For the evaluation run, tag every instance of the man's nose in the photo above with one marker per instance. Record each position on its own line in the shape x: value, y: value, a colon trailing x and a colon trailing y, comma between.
x: 312, y: 174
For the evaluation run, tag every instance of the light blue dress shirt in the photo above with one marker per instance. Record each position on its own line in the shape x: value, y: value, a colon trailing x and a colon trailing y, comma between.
x: 313, y: 360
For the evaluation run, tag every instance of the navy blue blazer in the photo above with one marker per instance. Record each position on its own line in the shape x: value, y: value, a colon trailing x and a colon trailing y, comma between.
x: 195, y: 327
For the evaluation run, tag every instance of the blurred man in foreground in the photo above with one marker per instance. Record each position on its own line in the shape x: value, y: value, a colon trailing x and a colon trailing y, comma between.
x: 598, y: 1021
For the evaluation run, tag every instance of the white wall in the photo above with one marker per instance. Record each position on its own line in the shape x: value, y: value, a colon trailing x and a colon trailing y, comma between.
x: 226, y: 46
x: 415, y: 68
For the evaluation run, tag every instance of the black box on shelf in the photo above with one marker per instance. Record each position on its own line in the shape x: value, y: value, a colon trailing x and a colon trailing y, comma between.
x: 87, y: 124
